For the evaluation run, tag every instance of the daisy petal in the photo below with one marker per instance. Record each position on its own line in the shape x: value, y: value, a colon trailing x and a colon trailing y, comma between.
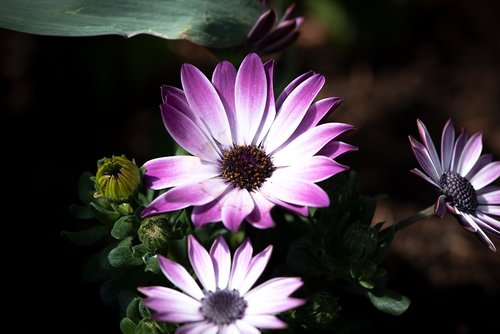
x: 177, y: 170
x: 260, y: 217
x: 429, y: 145
x: 324, y: 107
x: 183, y: 196
x: 202, y: 264
x: 179, y: 276
x: 478, y: 232
x: 163, y: 300
x: 265, y: 321
x: 202, y: 327
x: 237, y: 206
x: 486, y: 175
x: 255, y: 269
x: 241, y: 261
x: 314, y: 169
x: 336, y: 148
x: 250, y: 96
x: 457, y: 150
x: 292, y: 111
x: 273, y: 306
x: 187, y: 134
x: 221, y: 258
x: 263, y: 25
x: 470, y: 154
x: 309, y: 143
x: 487, y: 227
x: 208, y: 213
x: 291, y: 86
x: 440, y: 207
x: 223, y: 79
x: 178, y: 317
x: 294, y: 191
x: 298, y: 209
x: 491, y: 209
x: 489, y: 198
x: 246, y: 328
x: 447, y: 142
x: 425, y: 177
x: 425, y: 160
x: 481, y: 162
x: 205, y: 102
x: 273, y: 296
x: 229, y: 329
x: 495, y: 224
x: 270, y: 109
x: 172, y: 91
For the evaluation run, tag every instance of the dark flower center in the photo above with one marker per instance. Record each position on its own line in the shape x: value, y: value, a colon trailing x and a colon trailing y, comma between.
x: 223, y: 307
x: 459, y: 192
x: 112, y: 169
x: 246, y: 166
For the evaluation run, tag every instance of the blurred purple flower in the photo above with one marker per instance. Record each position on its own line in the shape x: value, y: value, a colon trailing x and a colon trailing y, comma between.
x: 269, y: 35
x: 464, y: 177
x: 250, y: 151
x: 225, y: 304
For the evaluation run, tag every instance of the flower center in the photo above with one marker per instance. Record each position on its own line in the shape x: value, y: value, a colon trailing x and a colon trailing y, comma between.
x: 459, y: 192
x: 246, y: 166
x: 112, y: 169
x: 223, y: 307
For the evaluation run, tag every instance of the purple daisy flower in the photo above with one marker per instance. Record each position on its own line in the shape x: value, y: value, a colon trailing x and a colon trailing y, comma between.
x: 269, y: 35
x: 250, y: 151
x: 464, y: 177
x: 225, y: 304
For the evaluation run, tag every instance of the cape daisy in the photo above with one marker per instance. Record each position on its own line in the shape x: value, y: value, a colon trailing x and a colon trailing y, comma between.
x: 226, y: 304
x: 250, y: 152
x: 464, y: 177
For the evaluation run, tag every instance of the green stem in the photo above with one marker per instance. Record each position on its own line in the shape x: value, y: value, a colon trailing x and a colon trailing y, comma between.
x: 425, y: 213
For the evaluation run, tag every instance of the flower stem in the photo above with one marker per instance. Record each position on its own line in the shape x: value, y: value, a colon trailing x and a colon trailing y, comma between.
x: 425, y: 213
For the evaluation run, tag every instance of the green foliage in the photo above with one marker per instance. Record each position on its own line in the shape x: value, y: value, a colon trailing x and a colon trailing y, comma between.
x: 220, y: 23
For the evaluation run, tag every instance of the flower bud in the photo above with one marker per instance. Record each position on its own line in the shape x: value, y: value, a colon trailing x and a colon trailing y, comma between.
x: 117, y: 178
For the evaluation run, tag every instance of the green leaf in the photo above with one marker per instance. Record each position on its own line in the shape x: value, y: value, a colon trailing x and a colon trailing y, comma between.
x: 153, y: 265
x: 388, y: 301
x: 133, y: 309
x: 219, y: 23
x: 122, y: 227
x: 80, y: 212
x: 86, y: 237
x: 122, y: 256
x: 103, y: 215
x: 127, y: 326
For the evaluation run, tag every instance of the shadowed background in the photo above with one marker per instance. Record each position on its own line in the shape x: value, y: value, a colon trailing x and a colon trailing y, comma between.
x: 66, y: 102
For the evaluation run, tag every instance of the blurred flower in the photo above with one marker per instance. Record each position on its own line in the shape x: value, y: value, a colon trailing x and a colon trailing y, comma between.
x: 463, y: 177
x: 117, y: 178
x: 269, y: 35
x: 250, y: 151
x: 226, y: 304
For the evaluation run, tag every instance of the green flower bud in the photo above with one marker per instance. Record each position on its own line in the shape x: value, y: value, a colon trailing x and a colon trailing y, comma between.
x: 360, y: 241
x: 117, y: 178
x: 153, y: 233
x: 323, y: 308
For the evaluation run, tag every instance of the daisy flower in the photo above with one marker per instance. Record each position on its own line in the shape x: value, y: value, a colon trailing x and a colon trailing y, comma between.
x: 463, y: 177
x: 250, y: 152
x: 225, y: 303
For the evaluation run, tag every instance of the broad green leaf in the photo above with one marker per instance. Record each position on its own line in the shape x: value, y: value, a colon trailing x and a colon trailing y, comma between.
x: 122, y: 227
x: 103, y: 215
x: 388, y: 301
x: 86, y: 237
x: 127, y: 326
x: 220, y: 23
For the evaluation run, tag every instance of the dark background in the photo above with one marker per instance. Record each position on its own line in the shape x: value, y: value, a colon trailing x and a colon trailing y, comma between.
x: 66, y: 102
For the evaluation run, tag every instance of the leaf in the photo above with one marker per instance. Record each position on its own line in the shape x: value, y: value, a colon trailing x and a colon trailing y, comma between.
x: 388, y: 301
x: 133, y: 309
x: 86, y: 237
x: 103, y: 215
x: 153, y: 265
x: 127, y: 326
x: 80, y: 212
x: 219, y: 23
x: 122, y: 227
x: 85, y: 183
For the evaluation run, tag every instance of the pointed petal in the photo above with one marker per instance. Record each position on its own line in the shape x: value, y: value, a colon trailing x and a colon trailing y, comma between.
x: 486, y: 175
x: 470, y: 153
x: 297, y: 209
x: 202, y: 264
x: 224, y: 79
x: 177, y: 170
x: 255, y: 269
x: 336, y: 148
x: 263, y: 25
x: 447, y: 143
x: 291, y: 86
x: 260, y: 217
x: 205, y: 102
x: 172, y: 91
x: 178, y: 317
x: 457, y: 150
x: 314, y: 169
x: 250, y: 96
x: 294, y: 191
x: 425, y: 177
x: 164, y: 300
x: 479, y: 232
x: 265, y: 321
x: 428, y: 143
x: 221, y: 258
x: 292, y: 111
x: 187, y: 134
x: 270, y: 109
x: 246, y: 328
x: 481, y: 162
x: 489, y: 198
x: 241, y: 261
x: 425, y: 160
x: 490, y: 221
x: 272, y: 297
x: 237, y: 206
x: 490, y: 209
x: 202, y: 327
x: 281, y: 36
x: 440, y: 207
x: 179, y: 276
x: 183, y: 196
x: 309, y: 143
x: 229, y: 329
x: 210, y: 212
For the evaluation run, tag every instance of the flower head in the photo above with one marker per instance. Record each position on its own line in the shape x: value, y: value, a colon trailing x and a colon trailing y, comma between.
x: 269, y: 35
x: 225, y: 303
x: 463, y: 177
x: 117, y: 178
x: 250, y: 151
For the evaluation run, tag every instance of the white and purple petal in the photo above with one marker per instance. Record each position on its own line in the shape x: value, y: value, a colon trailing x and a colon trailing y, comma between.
x: 202, y: 264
